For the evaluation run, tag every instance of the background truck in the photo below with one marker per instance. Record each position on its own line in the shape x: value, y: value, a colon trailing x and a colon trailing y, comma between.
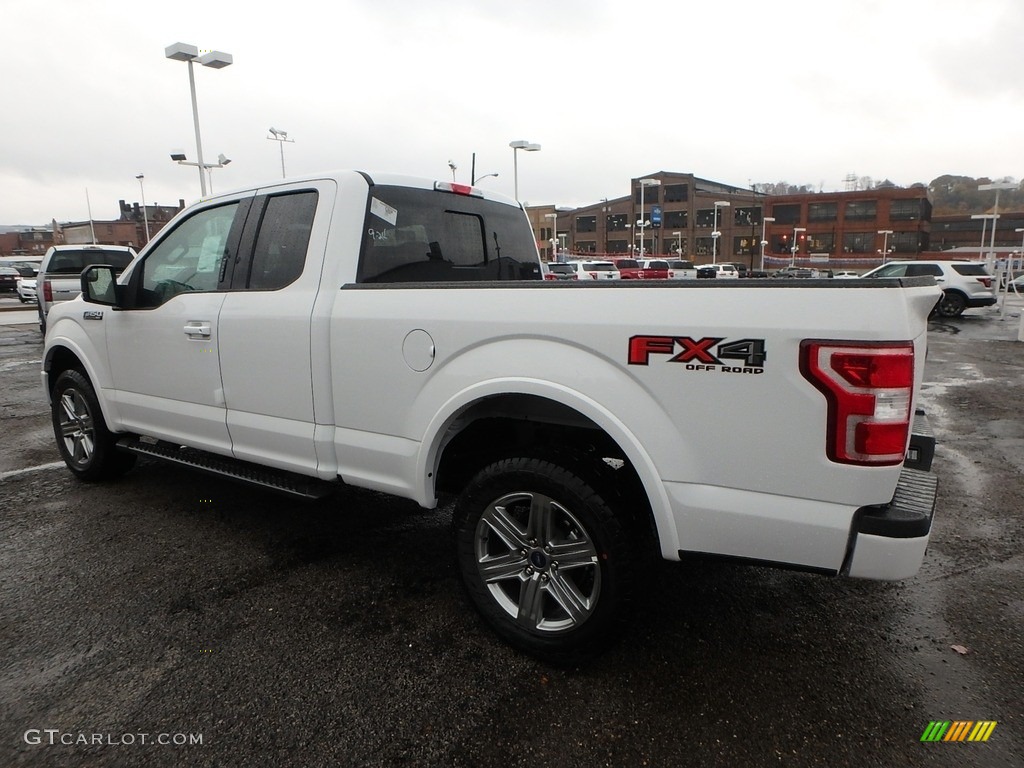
x: 395, y: 334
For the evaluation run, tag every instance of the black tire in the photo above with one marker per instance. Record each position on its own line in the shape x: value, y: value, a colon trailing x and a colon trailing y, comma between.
x: 952, y: 304
x: 545, y: 559
x: 86, y: 445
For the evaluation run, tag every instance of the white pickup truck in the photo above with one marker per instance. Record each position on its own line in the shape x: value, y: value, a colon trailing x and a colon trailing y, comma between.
x: 395, y: 334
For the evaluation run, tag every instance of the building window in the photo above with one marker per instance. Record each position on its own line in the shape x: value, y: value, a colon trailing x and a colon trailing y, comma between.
x: 618, y: 246
x: 585, y: 246
x: 650, y: 194
x: 706, y: 217
x: 677, y: 246
x: 822, y: 211
x: 786, y: 214
x: 617, y: 222
x: 859, y: 242
x: 746, y: 245
x: 861, y: 210
x: 906, y: 242
x: 675, y: 219
x: 749, y: 216
x: 677, y: 193
x: 821, y: 242
x: 702, y: 246
x: 586, y: 223
x: 905, y: 210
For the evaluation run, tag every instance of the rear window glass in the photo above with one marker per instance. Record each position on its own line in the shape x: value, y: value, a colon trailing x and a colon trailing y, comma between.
x: 73, y: 262
x: 680, y: 265
x: 627, y: 264
x: 657, y: 265
x: 971, y: 270
x: 423, y: 235
x: 592, y: 266
x: 562, y: 269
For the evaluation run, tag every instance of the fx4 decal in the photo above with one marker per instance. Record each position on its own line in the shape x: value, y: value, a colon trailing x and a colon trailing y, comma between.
x: 706, y: 354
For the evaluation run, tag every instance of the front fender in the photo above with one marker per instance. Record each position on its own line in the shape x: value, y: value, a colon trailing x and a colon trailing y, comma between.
x: 66, y: 335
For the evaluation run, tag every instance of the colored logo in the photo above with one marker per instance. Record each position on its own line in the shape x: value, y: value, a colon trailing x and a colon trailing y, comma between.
x: 958, y: 730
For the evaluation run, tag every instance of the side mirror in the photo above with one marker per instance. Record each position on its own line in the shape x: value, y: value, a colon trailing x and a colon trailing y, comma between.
x: 99, y: 285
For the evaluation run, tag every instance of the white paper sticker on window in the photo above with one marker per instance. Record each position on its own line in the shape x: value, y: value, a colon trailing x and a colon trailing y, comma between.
x: 384, y: 211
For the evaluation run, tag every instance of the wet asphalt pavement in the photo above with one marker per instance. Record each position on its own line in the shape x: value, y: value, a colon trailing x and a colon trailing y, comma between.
x: 170, y: 606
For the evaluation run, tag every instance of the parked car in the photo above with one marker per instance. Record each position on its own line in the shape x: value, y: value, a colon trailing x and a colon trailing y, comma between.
x: 681, y: 270
x: 1017, y: 284
x: 629, y: 269
x: 557, y: 270
x: 728, y: 271
x: 965, y: 284
x: 845, y: 274
x: 59, y: 273
x: 595, y: 270
x: 27, y: 289
x: 654, y: 269
x: 794, y: 271
x: 9, y: 279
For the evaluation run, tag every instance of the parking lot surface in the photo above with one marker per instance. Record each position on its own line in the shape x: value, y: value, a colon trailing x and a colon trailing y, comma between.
x: 141, y: 617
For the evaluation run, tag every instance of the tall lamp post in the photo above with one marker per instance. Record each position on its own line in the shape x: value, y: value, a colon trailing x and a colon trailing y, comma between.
x: 999, y: 185
x: 715, y: 234
x: 516, y: 146
x: 216, y: 60
x: 554, y: 234
x: 885, y: 243
x: 179, y: 157
x: 679, y: 243
x: 764, y: 237
x: 796, y: 244
x: 641, y: 222
x: 984, y: 220
x: 145, y: 215
x: 281, y: 137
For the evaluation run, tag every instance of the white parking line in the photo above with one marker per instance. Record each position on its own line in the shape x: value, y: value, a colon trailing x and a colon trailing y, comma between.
x: 40, y: 468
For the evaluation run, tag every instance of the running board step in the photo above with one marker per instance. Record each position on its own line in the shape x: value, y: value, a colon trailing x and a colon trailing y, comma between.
x: 235, y: 469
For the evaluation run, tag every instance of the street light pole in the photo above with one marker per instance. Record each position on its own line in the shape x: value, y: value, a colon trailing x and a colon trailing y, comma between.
x: 516, y: 146
x: 642, y: 223
x: 796, y: 244
x: 984, y: 221
x: 216, y: 60
x: 679, y: 244
x: 715, y: 234
x: 145, y: 215
x: 281, y: 137
x: 995, y: 214
x: 885, y: 243
x: 554, y: 234
x: 764, y: 236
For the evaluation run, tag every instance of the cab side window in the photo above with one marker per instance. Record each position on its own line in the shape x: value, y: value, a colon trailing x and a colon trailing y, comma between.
x: 279, y: 254
x: 189, y: 259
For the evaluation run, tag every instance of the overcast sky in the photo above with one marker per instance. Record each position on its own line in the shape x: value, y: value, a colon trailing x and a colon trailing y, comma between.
x: 805, y: 91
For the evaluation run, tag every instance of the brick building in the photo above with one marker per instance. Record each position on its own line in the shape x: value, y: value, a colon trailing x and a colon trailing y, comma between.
x: 705, y: 220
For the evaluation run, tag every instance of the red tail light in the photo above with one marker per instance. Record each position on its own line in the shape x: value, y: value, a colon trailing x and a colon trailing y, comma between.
x: 47, y: 291
x: 593, y: 275
x: 868, y: 387
x: 986, y: 281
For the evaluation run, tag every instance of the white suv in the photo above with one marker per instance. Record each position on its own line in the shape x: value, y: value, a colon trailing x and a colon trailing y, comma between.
x: 965, y: 284
x: 595, y: 270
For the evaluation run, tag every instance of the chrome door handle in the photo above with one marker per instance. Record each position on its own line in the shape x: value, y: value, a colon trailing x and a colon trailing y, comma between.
x: 197, y: 329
